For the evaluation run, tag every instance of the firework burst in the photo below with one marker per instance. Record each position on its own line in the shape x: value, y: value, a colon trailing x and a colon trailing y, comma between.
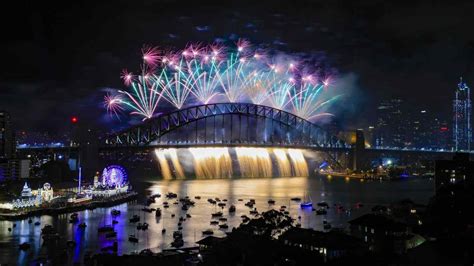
x: 113, y: 104
x: 202, y: 73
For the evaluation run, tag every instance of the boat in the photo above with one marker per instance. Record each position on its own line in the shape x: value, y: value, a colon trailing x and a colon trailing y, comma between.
x: 188, y: 215
x: 240, y: 200
x: 254, y: 212
x: 24, y: 246
x: 217, y: 214
x: 171, y: 195
x: 158, y: 212
x: 223, y: 226
x: 223, y: 219
x: 105, y: 229
x: 197, y: 197
x: 135, y: 218
x: 111, y: 234
x: 82, y: 225
x: 115, y: 212
x: 173, y: 215
x: 249, y: 204
x: 132, y: 239
x: 270, y: 201
x: 221, y: 204
x: 323, y: 204
x: 306, y: 203
x: 321, y: 211
x: 49, y: 233
x: 37, y: 223
x: 211, y: 201
x: 114, y: 222
x: 214, y: 222
x: 296, y: 199
x: 208, y: 232
x: 232, y: 208
x: 177, y: 234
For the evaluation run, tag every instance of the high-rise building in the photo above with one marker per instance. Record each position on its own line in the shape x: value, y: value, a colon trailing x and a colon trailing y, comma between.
x: 390, y: 126
x: 462, y: 109
x: 7, y: 141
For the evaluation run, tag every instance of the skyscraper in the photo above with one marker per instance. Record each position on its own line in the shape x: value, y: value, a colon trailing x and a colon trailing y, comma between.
x: 462, y: 128
x: 390, y: 126
x: 7, y: 142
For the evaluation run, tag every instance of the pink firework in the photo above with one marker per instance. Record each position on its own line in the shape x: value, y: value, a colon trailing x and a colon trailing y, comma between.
x: 113, y: 103
x: 127, y: 77
x: 151, y: 55
x: 216, y: 52
x: 242, y: 45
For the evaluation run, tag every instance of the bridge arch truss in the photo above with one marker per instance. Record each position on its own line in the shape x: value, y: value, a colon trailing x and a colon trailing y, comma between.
x: 281, y: 128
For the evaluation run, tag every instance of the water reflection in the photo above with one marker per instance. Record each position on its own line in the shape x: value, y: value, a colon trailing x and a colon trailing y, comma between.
x: 335, y: 190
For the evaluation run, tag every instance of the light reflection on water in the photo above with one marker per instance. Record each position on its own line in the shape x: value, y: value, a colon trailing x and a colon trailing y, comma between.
x: 335, y: 190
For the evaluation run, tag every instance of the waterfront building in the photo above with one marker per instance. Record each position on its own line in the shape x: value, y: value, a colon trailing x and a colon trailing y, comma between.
x: 7, y: 138
x: 26, y: 192
x: 381, y: 233
x: 46, y: 192
x: 456, y: 171
x: 329, y: 245
x: 113, y: 181
x: 462, y: 124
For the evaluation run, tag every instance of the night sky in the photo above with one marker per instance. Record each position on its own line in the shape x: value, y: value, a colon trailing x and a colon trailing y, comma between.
x: 57, y: 59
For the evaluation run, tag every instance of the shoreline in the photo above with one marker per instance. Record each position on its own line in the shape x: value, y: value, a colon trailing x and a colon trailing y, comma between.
x: 68, y: 209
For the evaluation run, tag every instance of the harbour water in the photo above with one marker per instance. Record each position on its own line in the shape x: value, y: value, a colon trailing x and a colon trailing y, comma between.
x: 332, y: 190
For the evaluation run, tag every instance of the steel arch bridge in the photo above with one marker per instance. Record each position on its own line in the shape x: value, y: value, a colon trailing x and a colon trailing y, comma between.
x: 280, y: 128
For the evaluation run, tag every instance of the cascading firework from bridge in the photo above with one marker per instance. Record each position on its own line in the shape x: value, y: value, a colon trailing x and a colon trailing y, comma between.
x: 204, y: 74
x: 225, y: 162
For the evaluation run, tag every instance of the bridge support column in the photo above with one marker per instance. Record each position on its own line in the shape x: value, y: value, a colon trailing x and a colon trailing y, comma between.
x: 358, y: 151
